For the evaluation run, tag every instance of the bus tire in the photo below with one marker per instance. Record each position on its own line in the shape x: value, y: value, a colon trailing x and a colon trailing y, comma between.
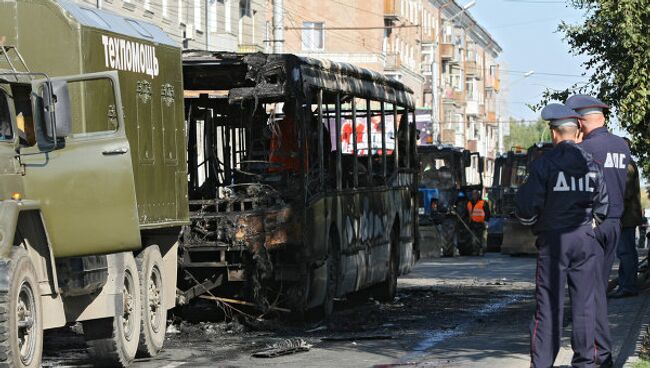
x: 387, y: 290
x: 113, y: 341
x: 20, y: 314
x: 154, y: 316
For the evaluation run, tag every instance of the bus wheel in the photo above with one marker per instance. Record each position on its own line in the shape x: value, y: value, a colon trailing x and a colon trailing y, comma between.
x: 154, y: 316
x: 333, y: 271
x: 113, y: 341
x: 387, y: 290
x: 21, y: 331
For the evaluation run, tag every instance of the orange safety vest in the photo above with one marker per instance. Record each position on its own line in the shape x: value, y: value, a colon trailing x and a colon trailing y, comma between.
x: 476, y: 214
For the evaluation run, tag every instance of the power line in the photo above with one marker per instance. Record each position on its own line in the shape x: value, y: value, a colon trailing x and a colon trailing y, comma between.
x: 359, y: 28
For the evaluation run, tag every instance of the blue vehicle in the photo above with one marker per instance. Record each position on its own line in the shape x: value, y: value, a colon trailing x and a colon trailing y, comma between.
x: 446, y: 173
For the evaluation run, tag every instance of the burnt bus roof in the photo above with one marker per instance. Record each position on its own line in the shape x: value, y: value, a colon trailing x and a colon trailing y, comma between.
x: 272, y: 75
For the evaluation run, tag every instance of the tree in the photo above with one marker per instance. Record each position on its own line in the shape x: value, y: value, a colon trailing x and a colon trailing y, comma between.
x: 615, y: 38
x: 525, y: 134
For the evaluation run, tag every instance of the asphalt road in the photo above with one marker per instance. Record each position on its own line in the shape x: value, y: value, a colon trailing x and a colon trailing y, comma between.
x: 451, y: 312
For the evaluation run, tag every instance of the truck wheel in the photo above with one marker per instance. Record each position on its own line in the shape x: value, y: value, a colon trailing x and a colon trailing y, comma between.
x: 113, y: 341
x: 449, y: 238
x: 21, y: 325
x: 154, y: 316
x: 387, y: 290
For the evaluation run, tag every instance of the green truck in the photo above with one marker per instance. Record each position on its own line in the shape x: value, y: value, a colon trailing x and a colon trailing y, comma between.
x: 93, y: 179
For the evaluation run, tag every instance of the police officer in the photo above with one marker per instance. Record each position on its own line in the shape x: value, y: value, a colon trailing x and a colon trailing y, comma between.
x: 562, y: 197
x: 613, y: 154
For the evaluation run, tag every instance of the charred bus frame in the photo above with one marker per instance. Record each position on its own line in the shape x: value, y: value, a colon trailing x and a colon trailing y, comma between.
x: 300, y: 206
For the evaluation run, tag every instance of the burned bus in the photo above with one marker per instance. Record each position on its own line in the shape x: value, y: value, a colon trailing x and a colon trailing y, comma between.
x: 302, y: 180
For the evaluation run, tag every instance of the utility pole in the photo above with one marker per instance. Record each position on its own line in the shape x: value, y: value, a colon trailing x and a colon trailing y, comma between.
x: 278, y: 27
x: 207, y: 25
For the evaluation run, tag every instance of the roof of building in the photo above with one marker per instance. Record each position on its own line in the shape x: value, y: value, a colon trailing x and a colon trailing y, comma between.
x: 111, y: 22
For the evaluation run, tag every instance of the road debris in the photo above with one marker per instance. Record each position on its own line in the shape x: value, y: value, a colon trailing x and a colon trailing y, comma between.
x: 284, y: 347
x: 357, y: 338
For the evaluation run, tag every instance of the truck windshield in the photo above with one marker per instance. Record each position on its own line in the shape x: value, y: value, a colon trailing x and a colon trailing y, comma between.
x: 5, y: 118
x: 519, y: 173
x: 437, y: 172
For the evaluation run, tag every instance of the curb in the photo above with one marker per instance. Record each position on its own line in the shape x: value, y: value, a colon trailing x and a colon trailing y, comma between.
x: 635, y: 338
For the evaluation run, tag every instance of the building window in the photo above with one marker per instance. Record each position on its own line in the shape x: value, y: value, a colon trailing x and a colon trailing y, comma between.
x: 313, y: 36
x: 212, y: 16
x: 227, y: 14
x: 469, y: 85
x: 197, y: 14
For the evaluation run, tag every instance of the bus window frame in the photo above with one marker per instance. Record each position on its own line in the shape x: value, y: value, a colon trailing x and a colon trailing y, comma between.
x: 384, y: 159
x: 321, y: 143
x: 355, y: 166
x: 339, y: 156
x: 369, y: 134
x: 396, y: 139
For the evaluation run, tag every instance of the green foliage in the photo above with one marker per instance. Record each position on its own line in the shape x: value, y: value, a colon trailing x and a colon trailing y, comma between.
x: 615, y: 38
x: 525, y: 134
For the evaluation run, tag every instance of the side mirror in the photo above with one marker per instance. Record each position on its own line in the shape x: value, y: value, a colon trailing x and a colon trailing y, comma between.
x: 58, y: 115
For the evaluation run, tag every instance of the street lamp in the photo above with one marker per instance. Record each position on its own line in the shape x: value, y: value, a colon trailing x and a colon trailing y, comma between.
x: 435, y: 125
x: 500, y: 124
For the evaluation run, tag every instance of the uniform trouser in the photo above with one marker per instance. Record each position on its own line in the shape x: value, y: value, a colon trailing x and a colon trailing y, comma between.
x: 608, y: 234
x: 629, y: 261
x: 565, y: 255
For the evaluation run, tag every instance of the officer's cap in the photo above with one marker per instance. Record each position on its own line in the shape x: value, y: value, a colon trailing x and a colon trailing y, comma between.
x: 585, y: 104
x: 559, y: 115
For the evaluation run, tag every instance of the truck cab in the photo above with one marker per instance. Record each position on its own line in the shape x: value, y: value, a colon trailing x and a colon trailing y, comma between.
x: 92, y: 180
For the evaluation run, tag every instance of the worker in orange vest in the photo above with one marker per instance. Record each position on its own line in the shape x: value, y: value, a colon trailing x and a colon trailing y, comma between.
x: 478, y: 211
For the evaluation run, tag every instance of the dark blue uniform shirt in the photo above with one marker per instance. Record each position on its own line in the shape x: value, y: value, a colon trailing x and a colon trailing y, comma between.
x: 613, y: 154
x: 564, y: 189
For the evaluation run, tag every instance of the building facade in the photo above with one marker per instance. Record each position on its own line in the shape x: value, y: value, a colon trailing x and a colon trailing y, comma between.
x: 433, y: 46
x: 224, y: 25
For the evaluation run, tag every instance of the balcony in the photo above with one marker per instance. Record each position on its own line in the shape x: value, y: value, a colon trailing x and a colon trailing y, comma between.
x: 428, y: 37
x: 472, y: 69
x: 456, y: 97
x: 391, y: 9
x: 491, y: 117
x: 492, y: 83
x: 393, y: 62
x: 447, y: 51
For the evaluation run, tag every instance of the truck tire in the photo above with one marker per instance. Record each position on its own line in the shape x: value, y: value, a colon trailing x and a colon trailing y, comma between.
x: 448, y: 237
x: 21, y: 324
x: 387, y: 290
x: 154, y: 316
x: 114, y: 341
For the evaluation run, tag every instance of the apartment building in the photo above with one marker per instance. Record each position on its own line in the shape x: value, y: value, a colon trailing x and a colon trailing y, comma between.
x: 224, y: 25
x: 433, y: 46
